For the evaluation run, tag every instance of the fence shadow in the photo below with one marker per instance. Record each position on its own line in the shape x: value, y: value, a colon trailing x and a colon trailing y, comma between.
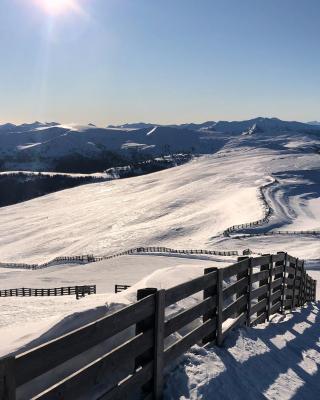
x: 255, y: 363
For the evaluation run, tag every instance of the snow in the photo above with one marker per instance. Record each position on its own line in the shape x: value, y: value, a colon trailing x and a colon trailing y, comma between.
x: 184, y: 207
x: 276, y: 360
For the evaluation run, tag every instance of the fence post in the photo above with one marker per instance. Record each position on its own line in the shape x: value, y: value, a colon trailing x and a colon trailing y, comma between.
x: 241, y: 275
x: 159, y: 344
x: 300, y: 286
x: 7, y: 379
x: 210, y: 292
x: 304, y: 286
x: 219, y: 306
x: 293, y: 303
x: 265, y: 267
x: 283, y: 294
x: 143, y: 326
x: 269, y: 304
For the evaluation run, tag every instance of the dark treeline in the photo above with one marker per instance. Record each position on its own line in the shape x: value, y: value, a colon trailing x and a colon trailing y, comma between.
x: 15, y: 188
x: 149, y: 166
x: 19, y: 187
x: 80, y: 164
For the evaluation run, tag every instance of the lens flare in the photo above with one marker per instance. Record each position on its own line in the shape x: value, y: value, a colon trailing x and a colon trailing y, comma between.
x: 57, y: 7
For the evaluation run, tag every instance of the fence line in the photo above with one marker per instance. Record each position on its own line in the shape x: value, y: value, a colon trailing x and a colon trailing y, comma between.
x: 89, y: 258
x: 272, y: 233
x: 268, y: 212
x: 245, y: 293
x: 79, y: 291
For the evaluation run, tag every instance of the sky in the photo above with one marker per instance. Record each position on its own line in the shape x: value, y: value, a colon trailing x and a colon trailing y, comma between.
x: 169, y: 61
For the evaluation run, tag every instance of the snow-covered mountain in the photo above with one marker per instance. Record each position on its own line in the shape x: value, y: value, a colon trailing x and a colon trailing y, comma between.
x: 42, y: 146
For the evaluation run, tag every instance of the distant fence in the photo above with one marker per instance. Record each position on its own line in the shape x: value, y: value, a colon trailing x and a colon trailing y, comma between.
x: 245, y: 293
x: 78, y: 291
x: 264, y: 220
x: 119, y: 288
x: 273, y: 233
x: 89, y: 258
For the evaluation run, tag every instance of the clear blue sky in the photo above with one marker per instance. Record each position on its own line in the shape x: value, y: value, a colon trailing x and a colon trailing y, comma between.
x: 159, y: 61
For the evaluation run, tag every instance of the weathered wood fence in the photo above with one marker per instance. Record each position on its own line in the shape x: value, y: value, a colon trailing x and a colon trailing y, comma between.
x: 78, y: 291
x: 245, y: 293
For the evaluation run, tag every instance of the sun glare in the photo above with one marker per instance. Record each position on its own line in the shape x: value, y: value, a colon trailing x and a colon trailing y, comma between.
x: 56, y: 7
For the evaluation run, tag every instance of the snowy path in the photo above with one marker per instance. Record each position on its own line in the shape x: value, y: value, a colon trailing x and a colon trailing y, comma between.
x: 279, y: 360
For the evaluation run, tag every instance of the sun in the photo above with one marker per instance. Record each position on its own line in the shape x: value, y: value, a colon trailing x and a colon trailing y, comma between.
x: 56, y: 7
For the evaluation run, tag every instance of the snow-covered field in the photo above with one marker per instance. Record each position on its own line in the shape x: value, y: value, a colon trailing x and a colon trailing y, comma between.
x: 184, y: 207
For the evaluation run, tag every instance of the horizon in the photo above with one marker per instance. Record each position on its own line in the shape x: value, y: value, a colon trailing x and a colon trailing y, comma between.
x: 110, y: 62
x: 30, y: 122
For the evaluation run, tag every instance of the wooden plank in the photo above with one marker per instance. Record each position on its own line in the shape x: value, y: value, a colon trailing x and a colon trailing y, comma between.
x: 49, y: 355
x: 276, y: 283
x: 290, y: 259
x: 210, y: 313
x: 275, y: 307
x: 186, y: 289
x: 278, y: 270
x: 158, y: 359
x: 288, y: 292
x: 240, y: 320
x: 294, y: 285
x: 124, y: 390
x: 235, y: 269
x: 258, y: 306
x: 278, y: 257
x: 7, y: 379
x: 179, y: 321
x: 249, y: 300
x: 259, y: 291
x: 287, y: 302
x: 284, y: 282
x: 193, y: 337
x: 73, y: 386
x: 258, y: 261
x: 234, y: 288
x: 237, y: 306
x: 260, y: 275
x: 260, y: 319
x: 276, y: 295
x: 219, y: 307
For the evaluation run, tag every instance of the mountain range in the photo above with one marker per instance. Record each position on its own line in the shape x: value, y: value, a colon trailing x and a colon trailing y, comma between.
x: 54, y: 146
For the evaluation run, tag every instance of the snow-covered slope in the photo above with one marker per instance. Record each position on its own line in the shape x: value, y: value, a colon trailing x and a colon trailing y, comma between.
x: 185, y: 207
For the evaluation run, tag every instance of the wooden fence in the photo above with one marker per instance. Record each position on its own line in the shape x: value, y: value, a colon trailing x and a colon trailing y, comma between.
x: 78, y: 291
x: 245, y: 293
x: 267, y: 214
x: 119, y: 288
x: 90, y: 258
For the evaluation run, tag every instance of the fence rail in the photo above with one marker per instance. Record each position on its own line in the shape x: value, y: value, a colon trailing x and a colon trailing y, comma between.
x: 78, y: 291
x: 89, y: 258
x: 245, y: 293
x: 119, y: 288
